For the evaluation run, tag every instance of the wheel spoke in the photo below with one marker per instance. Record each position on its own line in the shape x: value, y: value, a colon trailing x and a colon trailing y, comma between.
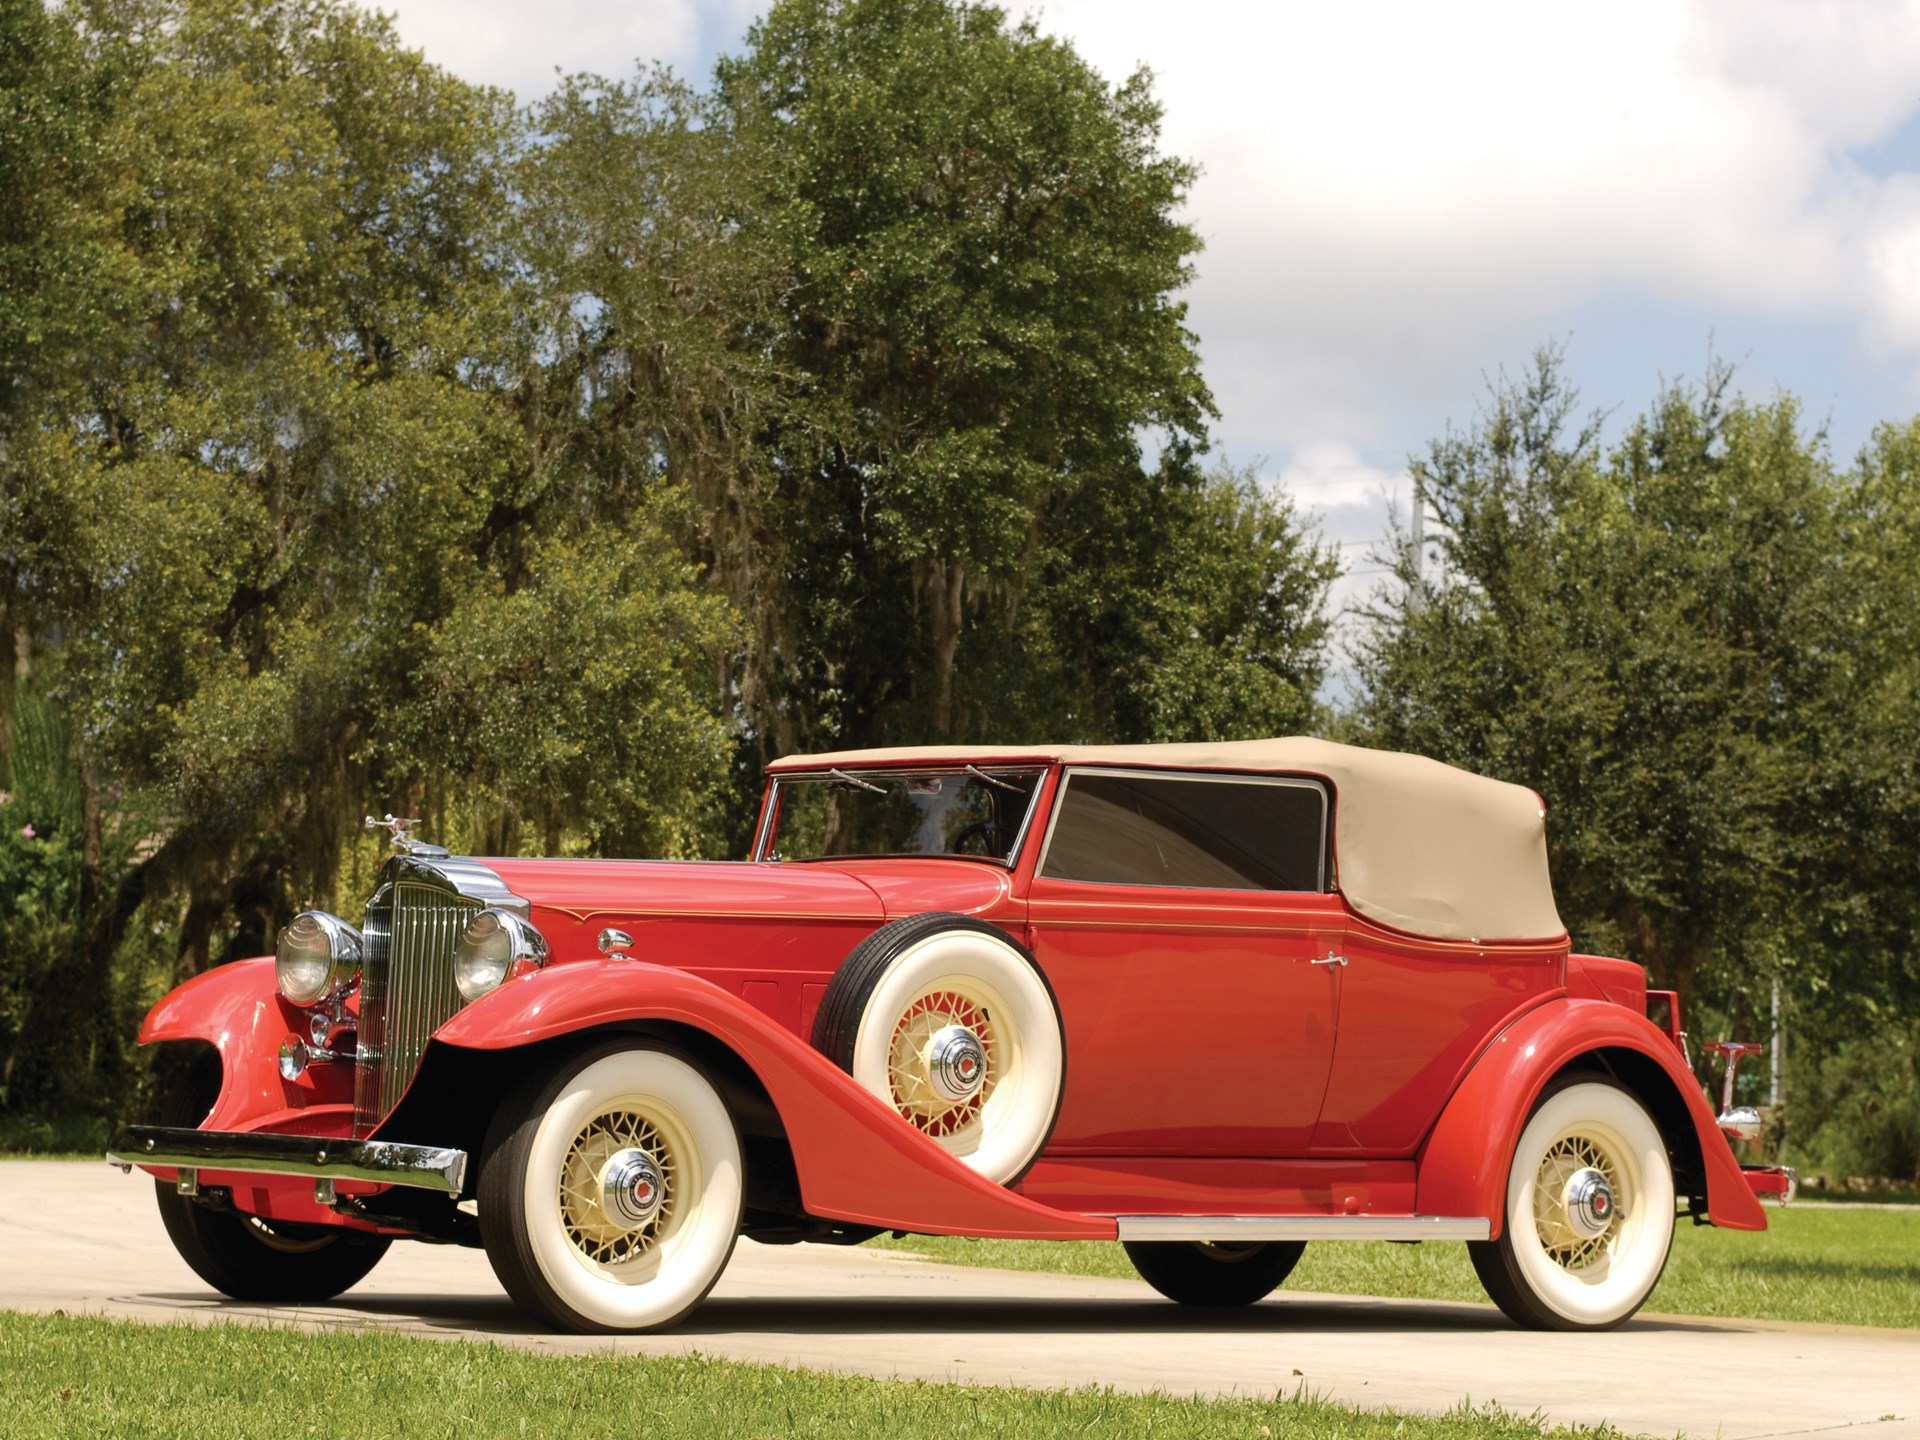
x: 1567, y: 1246
x: 594, y: 1231
x: 908, y: 1073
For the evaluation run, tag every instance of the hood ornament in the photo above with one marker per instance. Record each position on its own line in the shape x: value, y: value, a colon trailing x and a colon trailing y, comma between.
x: 397, y: 829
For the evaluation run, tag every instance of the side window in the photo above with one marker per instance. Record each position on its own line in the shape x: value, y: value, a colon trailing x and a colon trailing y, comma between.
x: 1221, y: 832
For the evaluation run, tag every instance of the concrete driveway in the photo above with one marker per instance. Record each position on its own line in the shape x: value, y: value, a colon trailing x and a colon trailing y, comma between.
x: 86, y: 1239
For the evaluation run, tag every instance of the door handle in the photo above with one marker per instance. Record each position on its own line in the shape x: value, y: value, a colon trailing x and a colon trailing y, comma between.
x: 1329, y: 959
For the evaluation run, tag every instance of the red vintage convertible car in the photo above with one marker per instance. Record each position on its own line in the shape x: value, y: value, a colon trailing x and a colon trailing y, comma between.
x: 1214, y: 1001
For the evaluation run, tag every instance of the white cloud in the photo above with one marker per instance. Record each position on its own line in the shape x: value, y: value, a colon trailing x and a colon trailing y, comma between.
x: 519, y: 46
x: 1399, y: 195
x: 1330, y: 475
x: 1352, y: 503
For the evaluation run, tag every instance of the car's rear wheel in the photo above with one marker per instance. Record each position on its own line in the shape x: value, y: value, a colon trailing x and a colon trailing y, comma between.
x: 611, y: 1192
x: 1199, y: 1273
x: 1589, y: 1212
x: 245, y: 1256
x: 949, y: 1021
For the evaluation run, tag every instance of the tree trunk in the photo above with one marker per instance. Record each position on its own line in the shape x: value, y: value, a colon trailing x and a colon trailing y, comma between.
x: 946, y: 591
x: 11, y: 655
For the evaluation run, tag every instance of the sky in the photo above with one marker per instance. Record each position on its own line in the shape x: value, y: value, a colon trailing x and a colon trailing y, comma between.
x: 1401, y: 200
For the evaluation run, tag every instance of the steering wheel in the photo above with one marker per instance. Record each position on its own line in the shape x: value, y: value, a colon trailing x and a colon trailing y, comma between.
x: 992, y: 835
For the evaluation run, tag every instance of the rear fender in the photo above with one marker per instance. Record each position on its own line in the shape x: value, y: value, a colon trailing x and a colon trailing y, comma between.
x: 238, y: 1010
x: 855, y: 1159
x: 1464, y: 1163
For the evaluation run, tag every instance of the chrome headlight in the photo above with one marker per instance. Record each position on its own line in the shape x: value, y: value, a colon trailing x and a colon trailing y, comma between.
x: 488, y: 949
x: 317, y: 957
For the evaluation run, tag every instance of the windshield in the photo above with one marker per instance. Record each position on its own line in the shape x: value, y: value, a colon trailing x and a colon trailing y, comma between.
x: 977, y: 812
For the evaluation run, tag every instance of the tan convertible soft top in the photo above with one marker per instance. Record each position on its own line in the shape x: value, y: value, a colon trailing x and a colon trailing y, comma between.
x: 1418, y: 845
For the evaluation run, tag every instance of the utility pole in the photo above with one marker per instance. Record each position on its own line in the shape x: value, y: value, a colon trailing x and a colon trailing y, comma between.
x: 1777, y: 1057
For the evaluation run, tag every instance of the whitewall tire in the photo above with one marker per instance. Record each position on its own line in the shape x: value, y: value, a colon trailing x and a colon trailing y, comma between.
x: 611, y: 1194
x: 1589, y: 1215
x: 949, y: 1021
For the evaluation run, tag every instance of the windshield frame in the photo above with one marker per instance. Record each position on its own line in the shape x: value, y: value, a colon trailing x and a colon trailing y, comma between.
x: 769, y: 829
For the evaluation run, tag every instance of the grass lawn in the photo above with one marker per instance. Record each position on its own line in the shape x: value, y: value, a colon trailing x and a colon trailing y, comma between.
x: 80, y: 1377
x: 1841, y: 1267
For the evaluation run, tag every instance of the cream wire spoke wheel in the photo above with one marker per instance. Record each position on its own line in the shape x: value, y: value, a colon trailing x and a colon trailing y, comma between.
x: 617, y: 1188
x: 950, y: 1022
x: 1576, y: 1167
x: 612, y: 1191
x: 1589, y: 1213
x: 938, y: 1082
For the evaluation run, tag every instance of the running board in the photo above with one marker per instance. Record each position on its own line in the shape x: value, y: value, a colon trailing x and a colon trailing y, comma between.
x: 1247, y: 1229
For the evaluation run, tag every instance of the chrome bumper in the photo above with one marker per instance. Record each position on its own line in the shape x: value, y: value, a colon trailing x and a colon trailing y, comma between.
x: 421, y: 1167
x: 1780, y: 1181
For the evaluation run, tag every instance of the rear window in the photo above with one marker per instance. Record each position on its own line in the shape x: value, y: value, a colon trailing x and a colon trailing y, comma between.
x: 1215, y: 832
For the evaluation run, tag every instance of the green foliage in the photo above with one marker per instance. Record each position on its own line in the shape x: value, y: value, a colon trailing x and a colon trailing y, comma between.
x: 366, y: 444
x: 1166, y: 610
x: 1854, y: 1109
x: 1662, y: 639
x: 1699, y: 646
x: 276, y: 508
x: 39, y: 875
x: 977, y: 325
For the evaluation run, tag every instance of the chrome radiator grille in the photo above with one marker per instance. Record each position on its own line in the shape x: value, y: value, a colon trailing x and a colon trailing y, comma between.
x: 406, y: 988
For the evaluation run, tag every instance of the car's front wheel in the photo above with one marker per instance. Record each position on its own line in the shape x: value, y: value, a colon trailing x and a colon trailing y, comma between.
x: 1195, y: 1272
x: 245, y: 1256
x: 1589, y: 1212
x: 254, y: 1259
x: 611, y: 1192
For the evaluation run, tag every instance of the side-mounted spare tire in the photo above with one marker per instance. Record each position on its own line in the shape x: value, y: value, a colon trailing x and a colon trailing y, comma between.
x: 950, y: 1021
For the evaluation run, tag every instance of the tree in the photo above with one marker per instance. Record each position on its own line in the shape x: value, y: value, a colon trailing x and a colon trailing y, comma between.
x: 365, y: 445
x: 889, y: 312
x: 282, y: 543
x: 1650, y: 636
x: 979, y: 321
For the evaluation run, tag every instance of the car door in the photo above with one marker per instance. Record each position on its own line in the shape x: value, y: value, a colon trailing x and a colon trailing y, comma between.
x: 1413, y: 1015
x: 1184, y: 923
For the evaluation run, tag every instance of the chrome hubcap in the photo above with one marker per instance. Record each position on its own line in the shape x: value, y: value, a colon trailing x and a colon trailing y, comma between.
x: 1588, y: 1201
x: 631, y: 1188
x: 944, y: 1062
x: 956, y: 1063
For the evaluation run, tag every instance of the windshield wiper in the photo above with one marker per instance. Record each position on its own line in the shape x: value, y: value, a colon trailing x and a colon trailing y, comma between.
x: 995, y: 781
x: 852, y: 783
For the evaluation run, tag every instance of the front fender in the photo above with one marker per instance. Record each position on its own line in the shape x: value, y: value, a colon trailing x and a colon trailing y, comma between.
x: 1464, y: 1163
x: 856, y: 1159
x: 238, y: 1010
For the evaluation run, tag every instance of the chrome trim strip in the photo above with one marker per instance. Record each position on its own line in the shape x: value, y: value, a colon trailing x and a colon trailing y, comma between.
x: 477, y: 882
x: 406, y: 980
x: 770, y: 820
x: 1026, y: 820
x: 420, y: 1167
x: 1240, y: 1229
x: 769, y: 812
x: 1210, y: 776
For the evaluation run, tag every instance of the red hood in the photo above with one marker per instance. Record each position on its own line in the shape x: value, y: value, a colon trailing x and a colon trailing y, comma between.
x: 913, y: 887
x: 811, y: 913
x: 837, y: 889
x: 605, y: 890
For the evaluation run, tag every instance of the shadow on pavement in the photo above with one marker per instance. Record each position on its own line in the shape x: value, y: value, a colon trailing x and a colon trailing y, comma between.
x: 854, y: 1316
